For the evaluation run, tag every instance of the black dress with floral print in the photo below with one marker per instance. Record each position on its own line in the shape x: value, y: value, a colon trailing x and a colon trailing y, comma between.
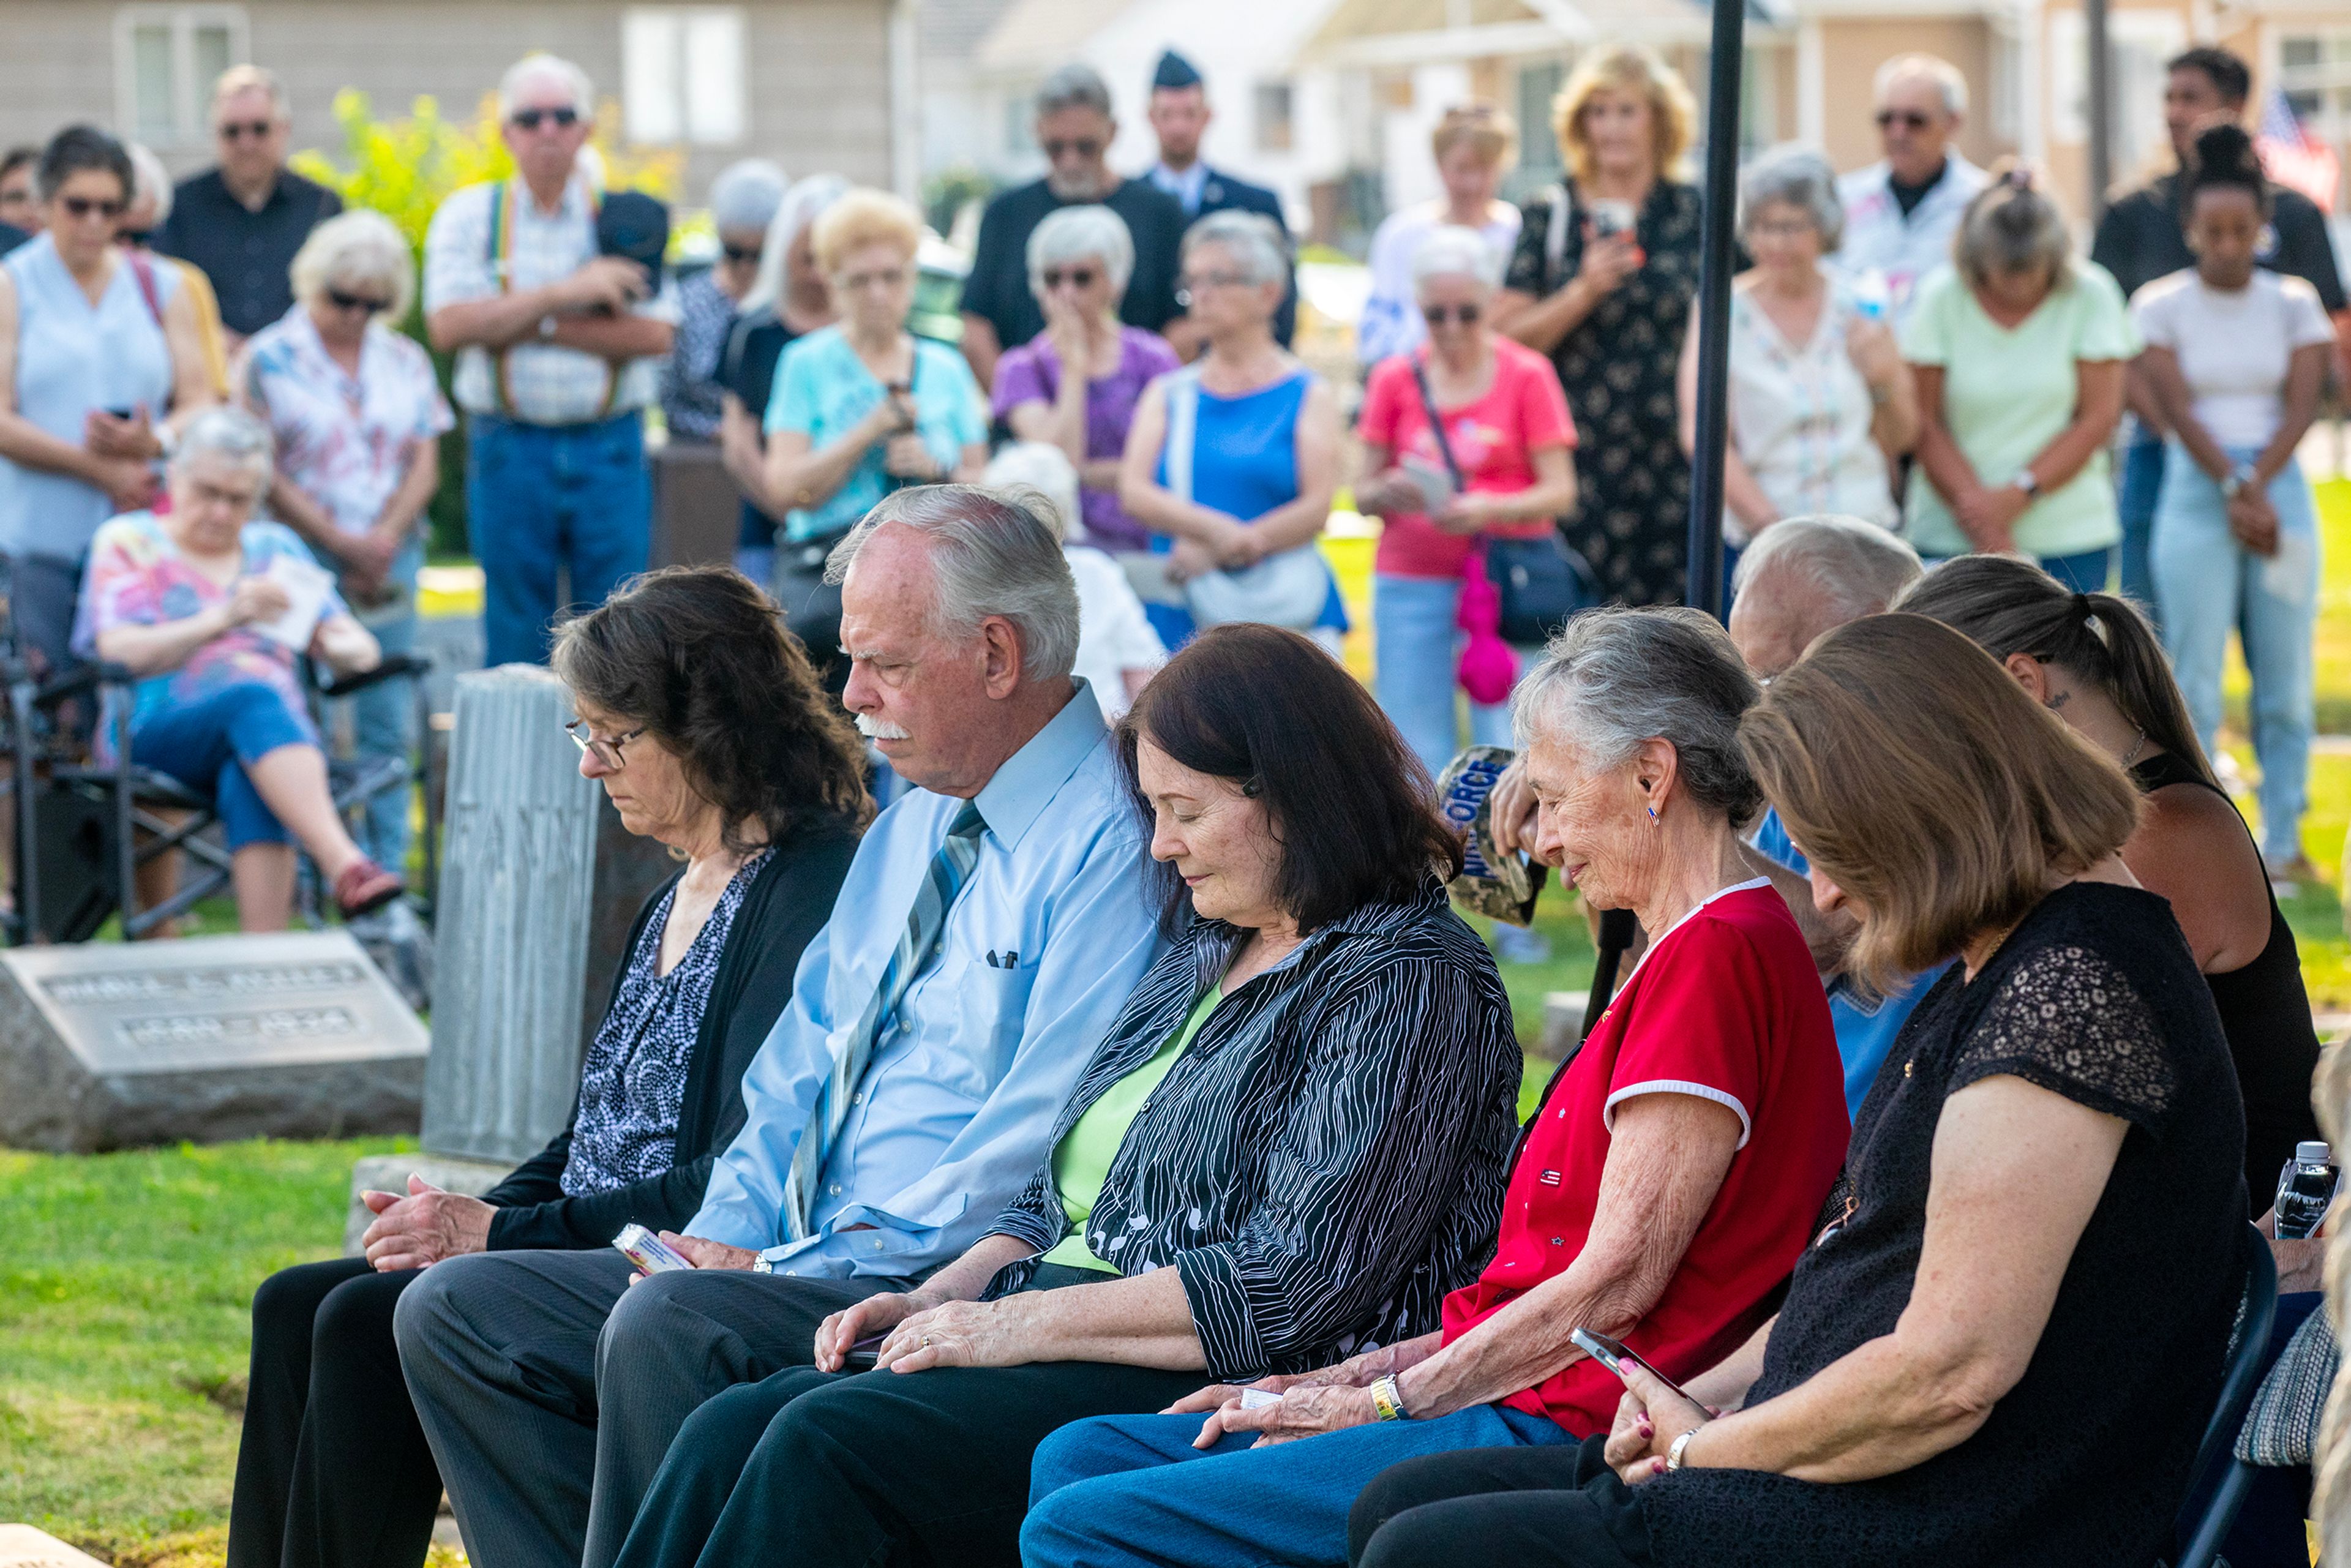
x: 1618, y: 364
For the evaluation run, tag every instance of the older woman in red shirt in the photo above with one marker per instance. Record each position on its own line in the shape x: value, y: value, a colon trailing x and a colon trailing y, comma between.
x: 1661, y: 1195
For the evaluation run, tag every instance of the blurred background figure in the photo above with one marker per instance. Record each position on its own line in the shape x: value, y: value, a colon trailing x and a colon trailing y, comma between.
x: 150, y: 206
x: 1606, y: 264
x: 1179, y: 116
x: 1901, y: 212
x: 1118, y: 653
x: 20, y: 197
x: 1474, y: 145
x: 242, y: 220
x: 788, y: 300
x: 744, y: 200
x: 1080, y: 262
x: 1820, y: 403
x: 2013, y: 423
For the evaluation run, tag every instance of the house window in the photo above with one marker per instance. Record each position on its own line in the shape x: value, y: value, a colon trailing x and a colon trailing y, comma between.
x: 2315, y: 73
x: 1021, y: 124
x: 2140, y: 42
x: 1539, y: 84
x: 166, y: 58
x: 682, y: 74
x: 1276, y: 117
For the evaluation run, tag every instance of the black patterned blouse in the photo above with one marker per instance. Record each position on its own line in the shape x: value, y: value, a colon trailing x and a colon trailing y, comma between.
x: 692, y: 398
x: 634, y: 1079
x: 1325, y: 1160
x: 1632, y: 483
x: 2094, y: 996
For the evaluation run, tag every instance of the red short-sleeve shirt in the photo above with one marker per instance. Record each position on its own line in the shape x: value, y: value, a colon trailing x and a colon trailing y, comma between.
x: 1728, y: 1006
x: 1494, y: 439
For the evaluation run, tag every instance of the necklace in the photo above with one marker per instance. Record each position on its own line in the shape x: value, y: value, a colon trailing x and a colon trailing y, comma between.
x: 2137, y: 747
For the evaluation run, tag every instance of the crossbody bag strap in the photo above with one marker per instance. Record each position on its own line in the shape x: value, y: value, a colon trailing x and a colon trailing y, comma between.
x: 1183, y: 428
x: 1436, y: 425
x: 144, y: 274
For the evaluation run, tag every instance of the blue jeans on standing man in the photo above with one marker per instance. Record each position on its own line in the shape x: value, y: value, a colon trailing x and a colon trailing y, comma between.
x: 2207, y: 584
x: 543, y: 499
x: 383, y: 717
x: 1414, y: 647
x: 2136, y: 496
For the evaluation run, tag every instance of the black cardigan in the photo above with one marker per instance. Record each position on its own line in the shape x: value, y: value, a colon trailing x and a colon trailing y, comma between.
x: 788, y: 901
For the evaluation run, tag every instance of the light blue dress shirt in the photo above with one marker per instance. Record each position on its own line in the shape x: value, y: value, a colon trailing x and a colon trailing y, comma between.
x: 1037, y: 957
x: 1187, y: 187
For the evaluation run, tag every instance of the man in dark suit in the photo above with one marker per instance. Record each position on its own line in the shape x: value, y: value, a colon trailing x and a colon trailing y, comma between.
x: 1179, y: 115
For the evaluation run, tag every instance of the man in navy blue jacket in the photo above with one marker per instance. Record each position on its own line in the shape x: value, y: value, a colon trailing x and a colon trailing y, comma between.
x: 1179, y: 114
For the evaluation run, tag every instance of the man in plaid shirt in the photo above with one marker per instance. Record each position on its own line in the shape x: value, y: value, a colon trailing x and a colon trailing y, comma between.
x: 557, y: 354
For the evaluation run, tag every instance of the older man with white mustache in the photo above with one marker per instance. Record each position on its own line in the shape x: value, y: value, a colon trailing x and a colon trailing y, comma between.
x: 991, y: 927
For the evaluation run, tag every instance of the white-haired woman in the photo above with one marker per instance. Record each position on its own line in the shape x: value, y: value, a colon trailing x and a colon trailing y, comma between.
x: 1474, y: 145
x: 1820, y: 403
x: 193, y: 602
x: 358, y: 418
x: 1253, y: 484
x: 1118, y: 652
x: 1080, y: 259
x: 1480, y: 421
x: 2019, y: 349
x: 788, y: 300
x: 744, y: 200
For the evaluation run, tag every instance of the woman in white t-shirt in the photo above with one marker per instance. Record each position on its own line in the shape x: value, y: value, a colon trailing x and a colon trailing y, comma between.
x: 1474, y: 145
x: 2235, y: 356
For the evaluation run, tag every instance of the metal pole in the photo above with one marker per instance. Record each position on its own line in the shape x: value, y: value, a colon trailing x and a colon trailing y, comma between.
x: 2101, y: 104
x: 1723, y: 73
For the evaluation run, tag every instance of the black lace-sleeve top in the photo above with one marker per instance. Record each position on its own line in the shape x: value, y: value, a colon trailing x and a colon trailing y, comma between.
x: 2094, y: 996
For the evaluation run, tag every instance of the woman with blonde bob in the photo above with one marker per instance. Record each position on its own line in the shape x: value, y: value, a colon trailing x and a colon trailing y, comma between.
x: 1602, y: 279
x: 2004, y: 1347
x: 1474, y: 145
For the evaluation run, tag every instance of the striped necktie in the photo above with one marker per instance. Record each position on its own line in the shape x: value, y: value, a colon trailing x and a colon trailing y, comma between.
x: 950, y: 869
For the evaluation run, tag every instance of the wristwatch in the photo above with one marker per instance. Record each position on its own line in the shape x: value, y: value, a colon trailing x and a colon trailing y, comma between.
x: 2026, y: 482
x: 547, y: 324
x: 2237, y: 482
x: 1387, y: 1402
x: 1674, y: 1452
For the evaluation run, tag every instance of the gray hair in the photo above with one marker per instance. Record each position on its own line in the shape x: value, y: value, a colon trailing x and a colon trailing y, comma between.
x: 1615, y: 678
x: 1074, y: 85
x: 2012, y: 226
x: 228, y: 434
x: 803, y: 205
x: 746, y: 193
x: 248, y: 78
x: 546, y: 67
x: 993, y: 556
x: 1036, y: 472
x: 1949, y: 84
x: 1455, y: 250
x: 1857, y: 567
x: 1075, y: 233
x: 149, y: 178
x: 1800, y: 177
x: 1250, y: 239
x: 357, y: 246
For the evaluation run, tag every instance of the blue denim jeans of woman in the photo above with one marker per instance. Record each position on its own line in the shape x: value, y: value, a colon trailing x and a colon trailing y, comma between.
x: 2138, y: 491
x: 2207, y: 584
x: 208, y: 744
x: 1131, y: 1491
x: 1415, y: 645
x: 383, y: 718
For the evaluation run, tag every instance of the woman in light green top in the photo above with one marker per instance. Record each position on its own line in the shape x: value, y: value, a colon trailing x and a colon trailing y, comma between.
x: 2018, y: 351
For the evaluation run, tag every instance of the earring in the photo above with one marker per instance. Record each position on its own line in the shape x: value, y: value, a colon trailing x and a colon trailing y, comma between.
x: 1653, y: 813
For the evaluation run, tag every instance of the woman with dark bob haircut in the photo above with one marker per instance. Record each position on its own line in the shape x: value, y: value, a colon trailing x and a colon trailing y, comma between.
x: 701, y: 718
x: 1289, y: 1145
x: 2003, y: 1348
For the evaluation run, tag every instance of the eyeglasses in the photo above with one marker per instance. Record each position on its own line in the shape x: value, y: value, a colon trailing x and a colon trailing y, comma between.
x: 1438, y: 315
x: 607, y: 752
x: 1075, y: 277
x: 84, y: 207
x: 1195, y: 284
x: 1076, y: 146
x: 744, y: 254
x: 342, y: 301
x: 1908, y: 119
x: 528, y: 118
x: 858, y: 282
x: 238, y: 130
x: 137, y: 239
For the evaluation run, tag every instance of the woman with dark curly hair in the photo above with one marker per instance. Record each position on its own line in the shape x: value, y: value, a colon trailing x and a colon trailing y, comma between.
x: 702, y: 719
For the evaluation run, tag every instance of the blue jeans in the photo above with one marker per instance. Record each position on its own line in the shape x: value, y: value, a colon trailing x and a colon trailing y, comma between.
x: 2207, y: 584
x: 383, y: 723
x: 2134, y: 502
x: 2084, y: 573
x: 1131, y: 1491
x: 207, y: 744
x: 1415, y: 645
x: 546, y: 500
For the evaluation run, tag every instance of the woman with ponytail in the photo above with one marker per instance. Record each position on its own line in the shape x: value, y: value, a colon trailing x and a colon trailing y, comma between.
x: 2092, y: 660
x: 2235, y: 356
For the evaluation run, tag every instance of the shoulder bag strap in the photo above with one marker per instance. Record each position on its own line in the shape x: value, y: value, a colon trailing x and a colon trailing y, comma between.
x: 142, y: 274
x: 1183, y: 426
x: 1436, y: 424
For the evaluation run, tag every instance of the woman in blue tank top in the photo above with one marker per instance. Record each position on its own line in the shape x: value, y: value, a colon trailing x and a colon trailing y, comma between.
x: 1232, y: 461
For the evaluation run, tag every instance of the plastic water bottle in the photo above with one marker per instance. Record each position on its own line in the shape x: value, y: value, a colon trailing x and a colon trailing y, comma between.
x: 2305, y: 1187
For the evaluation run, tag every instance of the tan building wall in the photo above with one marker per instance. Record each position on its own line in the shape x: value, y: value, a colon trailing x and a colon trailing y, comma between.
x: 1853, y: 47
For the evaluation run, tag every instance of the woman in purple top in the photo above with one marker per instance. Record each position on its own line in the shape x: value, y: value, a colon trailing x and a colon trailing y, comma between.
x: 1078, y: 262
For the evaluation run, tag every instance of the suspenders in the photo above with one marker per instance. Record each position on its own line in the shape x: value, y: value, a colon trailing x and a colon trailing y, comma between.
x: 504, y: 210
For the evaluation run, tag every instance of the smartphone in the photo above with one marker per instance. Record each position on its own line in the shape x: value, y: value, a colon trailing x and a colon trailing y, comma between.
x: 1611, y: 216
x: 1615, y: 1355
x: 865, y: 1353
x: 648, y: 1252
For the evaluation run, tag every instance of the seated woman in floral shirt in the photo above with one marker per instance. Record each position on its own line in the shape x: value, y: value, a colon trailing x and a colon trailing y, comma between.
x: 199, y: 603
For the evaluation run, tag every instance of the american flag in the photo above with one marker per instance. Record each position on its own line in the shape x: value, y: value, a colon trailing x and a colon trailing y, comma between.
x: 2295, y: 158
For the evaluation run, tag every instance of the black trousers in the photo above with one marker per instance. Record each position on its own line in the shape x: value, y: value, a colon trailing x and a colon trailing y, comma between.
x: 811, y: 1469
x: 1506, y: 1508
x: 332, y: 1470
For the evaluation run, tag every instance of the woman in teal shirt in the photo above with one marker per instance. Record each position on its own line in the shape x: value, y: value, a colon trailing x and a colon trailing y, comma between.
x: 863, y: 407
x: 2018, y: 351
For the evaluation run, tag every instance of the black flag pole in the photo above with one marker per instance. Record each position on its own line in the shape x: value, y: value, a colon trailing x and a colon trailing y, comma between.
x: 1725, y: 63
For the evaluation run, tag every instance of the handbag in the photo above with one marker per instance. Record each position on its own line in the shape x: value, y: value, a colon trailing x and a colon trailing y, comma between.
x: 1289, y: 589
x: 1541, y: 582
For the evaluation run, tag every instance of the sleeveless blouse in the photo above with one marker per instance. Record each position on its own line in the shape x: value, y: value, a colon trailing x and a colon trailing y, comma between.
x: 1800, y: 415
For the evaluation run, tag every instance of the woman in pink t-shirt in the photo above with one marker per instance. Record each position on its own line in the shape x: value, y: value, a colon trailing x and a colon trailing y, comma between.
x: 1506, y: 423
